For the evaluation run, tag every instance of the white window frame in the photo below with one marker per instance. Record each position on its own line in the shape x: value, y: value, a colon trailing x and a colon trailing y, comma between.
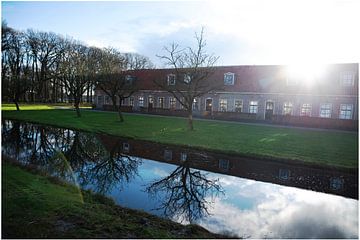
x: 347, y: 78
x: 195, y: 105
x: 346, y: 111
x: 129, y: 79
x: 223, y: 105
x: 163, y: 102
x: 325, y: 110
x: 286, y: 106
x: 172, y: 102
x: 253, y: 108
x: 107, y: 100
x: 171, y: 79
x: 242, y: 105
x: 226, y: 75
x: 151, y: 99
x: 187, y: 78
x: 306, y: 110
x: 141, y: 101
x: 131, y: 101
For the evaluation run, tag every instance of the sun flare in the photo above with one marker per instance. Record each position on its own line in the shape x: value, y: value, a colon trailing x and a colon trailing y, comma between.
x: 308, y: 74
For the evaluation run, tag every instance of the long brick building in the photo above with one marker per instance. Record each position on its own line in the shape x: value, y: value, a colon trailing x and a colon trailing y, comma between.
x: 270, y: 93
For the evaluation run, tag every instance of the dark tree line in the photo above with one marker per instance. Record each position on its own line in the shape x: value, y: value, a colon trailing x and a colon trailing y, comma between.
x: 48, y: 68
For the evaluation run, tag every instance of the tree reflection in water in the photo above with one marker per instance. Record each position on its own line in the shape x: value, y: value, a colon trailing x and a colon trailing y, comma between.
x: 111, y: 168
x: 188, y: 193
x: 76, y: 157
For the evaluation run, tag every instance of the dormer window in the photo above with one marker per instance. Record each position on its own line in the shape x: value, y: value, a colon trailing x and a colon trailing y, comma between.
x: 129, y: 79
x: 171, y: 78
x: 347, y: 79
x: 229, y: 78
x: 187, y: 78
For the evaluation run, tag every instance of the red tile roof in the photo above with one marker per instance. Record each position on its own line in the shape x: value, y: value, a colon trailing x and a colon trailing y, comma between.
x: 264, y: 79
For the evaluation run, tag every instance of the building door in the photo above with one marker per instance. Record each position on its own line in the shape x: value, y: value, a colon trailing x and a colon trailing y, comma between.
x: 269, y: 110
x: 208, y: 105
x: 150, y: 103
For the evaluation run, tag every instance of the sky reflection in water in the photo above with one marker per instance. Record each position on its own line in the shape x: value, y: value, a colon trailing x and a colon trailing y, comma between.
x: 256, y: 209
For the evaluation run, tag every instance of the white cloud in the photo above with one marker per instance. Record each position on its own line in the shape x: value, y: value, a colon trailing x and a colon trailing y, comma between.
x: 283, y: 212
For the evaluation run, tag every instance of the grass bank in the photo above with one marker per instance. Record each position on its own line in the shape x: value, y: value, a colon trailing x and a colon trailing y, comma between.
x: 35, y: 206
x: 332, y: 148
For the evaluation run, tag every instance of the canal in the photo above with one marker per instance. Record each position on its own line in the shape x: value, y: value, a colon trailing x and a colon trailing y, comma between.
x: 249, y: 198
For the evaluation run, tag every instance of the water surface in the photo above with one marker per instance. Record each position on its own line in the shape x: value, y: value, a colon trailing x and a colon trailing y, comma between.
x: 181, y: 190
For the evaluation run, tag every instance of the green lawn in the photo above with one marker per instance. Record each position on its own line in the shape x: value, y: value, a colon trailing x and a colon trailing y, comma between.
x: 35, y: 206
x: 313, y: 146
x: 11, y: 106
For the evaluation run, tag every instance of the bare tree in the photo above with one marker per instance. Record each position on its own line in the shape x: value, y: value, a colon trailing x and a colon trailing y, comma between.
x: 15, y: 64
x: 136, y: 61
x: 193, y: 68
x: 46, y: 50
x: 74, y: 72
x: 188, y: 193
x: 114, y: 80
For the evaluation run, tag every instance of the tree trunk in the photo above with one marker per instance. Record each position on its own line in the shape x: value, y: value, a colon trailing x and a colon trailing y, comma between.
x: 77, y: 107
x: 17, y: 105
x: 119, y: 111
x: 190, y: 121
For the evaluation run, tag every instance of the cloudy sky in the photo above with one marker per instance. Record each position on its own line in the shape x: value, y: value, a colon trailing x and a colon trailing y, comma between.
x: 240, y: 32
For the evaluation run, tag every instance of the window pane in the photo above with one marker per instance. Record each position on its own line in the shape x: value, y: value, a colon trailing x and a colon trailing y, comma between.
x: 325, y: 110
x: 223, y: 105
x: 288, y: 106
x: 238, y: 105
x: 253, y: 107
x: 345, y: 111
x: 306, y: 110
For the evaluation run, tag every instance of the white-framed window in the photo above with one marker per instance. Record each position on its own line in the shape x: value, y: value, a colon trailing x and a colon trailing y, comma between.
x: 172, y: 102
x: 129, y: 79
x: 183, y: 101
x: 253, y: 107
x: 229, y: 78
x: 107, y: 100
x: 131, y: 101
x: 151, y: 99
x: 141, y: 101
x: 346, y: 111
x: 306, y: 110
x: 238, y: 105
x: 288, y: 108
x: 195, y: 105
x: 187, y: 78
x: 161, y: 102
x: 171, y: 79
x: 347, y: 79
x: 223, y: 105
x: 325, y: 110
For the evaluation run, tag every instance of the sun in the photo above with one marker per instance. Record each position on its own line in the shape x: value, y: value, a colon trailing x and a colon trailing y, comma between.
x: 308, y: 74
